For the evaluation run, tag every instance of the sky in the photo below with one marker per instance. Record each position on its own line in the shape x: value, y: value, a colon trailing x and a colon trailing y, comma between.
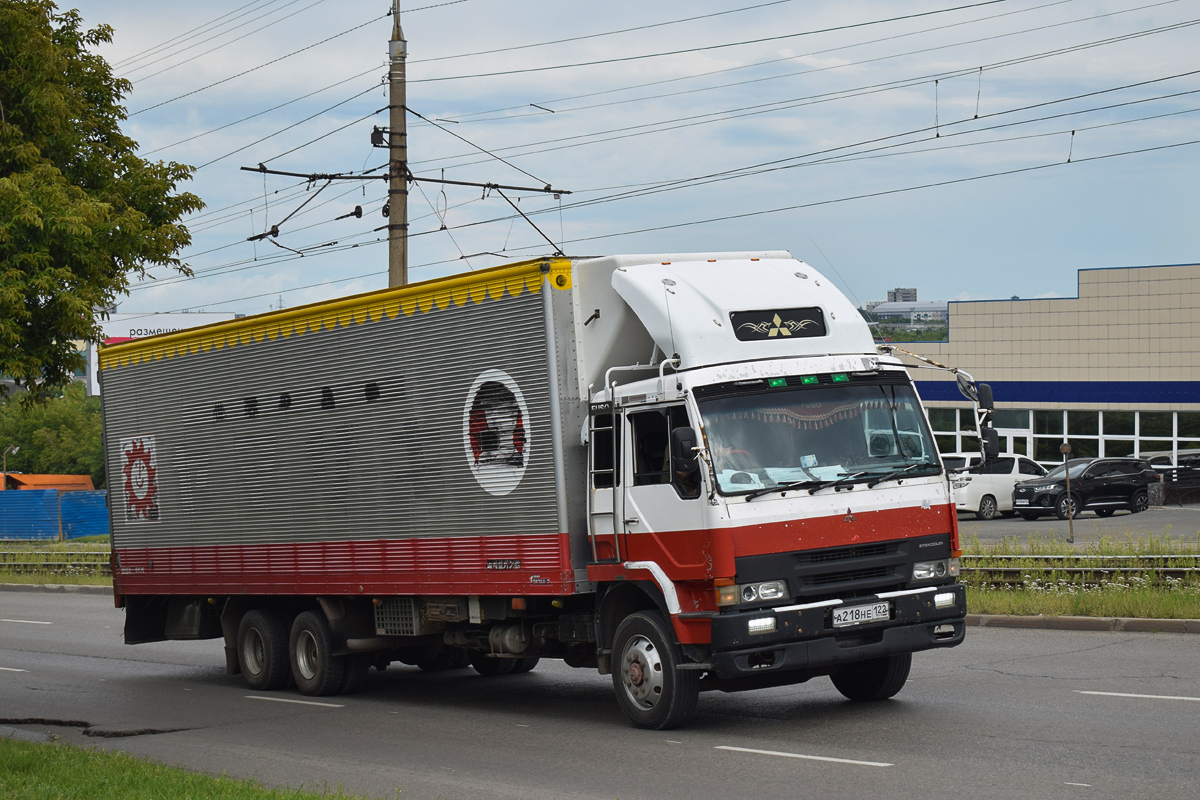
x: 973, y: 150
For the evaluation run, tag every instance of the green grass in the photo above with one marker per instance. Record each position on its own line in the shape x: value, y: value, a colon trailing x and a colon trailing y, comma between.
x: 31, y: 771
x: 1046, y: 591
x: 17, y: 556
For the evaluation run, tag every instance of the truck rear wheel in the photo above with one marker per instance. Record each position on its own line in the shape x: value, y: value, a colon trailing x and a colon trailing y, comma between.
x: 316, y: 670
x: 525, y: 664
x: 651, y: 689
x: 877, y: 679
x: 489, y: 667
x: 262, y: 650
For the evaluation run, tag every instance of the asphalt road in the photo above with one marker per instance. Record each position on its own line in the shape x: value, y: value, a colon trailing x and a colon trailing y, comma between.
x: 1008, y: 714
x: 1176, y: 521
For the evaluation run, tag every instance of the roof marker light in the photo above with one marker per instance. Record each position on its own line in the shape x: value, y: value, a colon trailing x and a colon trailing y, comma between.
x: 809, y: 380
x: 840, y: 377
x: 776, y: 383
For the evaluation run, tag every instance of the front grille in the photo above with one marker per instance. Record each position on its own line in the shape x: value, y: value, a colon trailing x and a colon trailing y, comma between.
x: 849, y: 576
x: 842, y: 553
x: 1022, y: 491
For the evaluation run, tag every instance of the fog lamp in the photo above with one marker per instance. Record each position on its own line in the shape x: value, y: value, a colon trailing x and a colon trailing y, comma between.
x: 943, y: 599
x: 761, y: 625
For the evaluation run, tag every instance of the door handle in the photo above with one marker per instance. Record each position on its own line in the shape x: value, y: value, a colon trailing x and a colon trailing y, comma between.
x: 631, y: 520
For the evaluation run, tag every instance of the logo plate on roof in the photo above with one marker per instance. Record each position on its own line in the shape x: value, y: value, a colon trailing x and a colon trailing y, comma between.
x: 786, y: 323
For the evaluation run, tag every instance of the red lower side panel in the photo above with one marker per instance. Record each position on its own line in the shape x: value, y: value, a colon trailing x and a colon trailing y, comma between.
x: 482, y: 565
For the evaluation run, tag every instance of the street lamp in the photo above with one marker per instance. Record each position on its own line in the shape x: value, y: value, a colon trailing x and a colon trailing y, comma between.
x: 12, y: 448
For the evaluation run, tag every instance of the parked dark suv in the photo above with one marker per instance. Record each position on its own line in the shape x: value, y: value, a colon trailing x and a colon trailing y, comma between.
x: 1097, y: 484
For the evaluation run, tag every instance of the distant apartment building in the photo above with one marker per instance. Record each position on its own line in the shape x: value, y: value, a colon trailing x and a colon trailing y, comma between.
x: 899, y: 295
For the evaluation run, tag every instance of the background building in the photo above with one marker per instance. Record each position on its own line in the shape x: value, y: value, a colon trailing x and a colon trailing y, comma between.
x: 1114, y: 371
x: 899, y: 295
x: 913, y: 311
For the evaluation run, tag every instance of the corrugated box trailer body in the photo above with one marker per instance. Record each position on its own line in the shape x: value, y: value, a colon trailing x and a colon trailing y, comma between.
x: 692, y: 471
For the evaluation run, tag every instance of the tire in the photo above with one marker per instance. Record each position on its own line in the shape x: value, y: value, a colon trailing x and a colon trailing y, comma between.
x: 987, y: 507
x: 1140, y: 502
x: 354, y: 676
x: 1065, y: 506
x: 1104, y: 512
x: 314, y: 666
x: 446, y: 658
x: 490, y: 666
x: 651, y: 689
x: 877, y: 679
x: 1029, y: 516
x: 525, y: 664
x: 262, y: 650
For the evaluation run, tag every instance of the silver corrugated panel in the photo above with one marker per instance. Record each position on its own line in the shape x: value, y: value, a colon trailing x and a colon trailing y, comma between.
x: 284, y: 440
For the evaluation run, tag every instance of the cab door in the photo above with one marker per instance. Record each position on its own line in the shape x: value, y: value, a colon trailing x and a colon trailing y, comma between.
x: 663, y: 513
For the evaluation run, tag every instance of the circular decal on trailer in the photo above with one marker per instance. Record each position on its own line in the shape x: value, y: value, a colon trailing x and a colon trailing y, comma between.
x: 141, y: 479
x: 495, y: 432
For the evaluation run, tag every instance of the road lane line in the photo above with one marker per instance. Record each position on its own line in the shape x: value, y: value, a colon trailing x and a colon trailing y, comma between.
x: 1068, y: 783
x: 1142, y: 696
x: 13, y: 669
x: 27, y: 621
x: 297, y: 702
x: 801, y: 755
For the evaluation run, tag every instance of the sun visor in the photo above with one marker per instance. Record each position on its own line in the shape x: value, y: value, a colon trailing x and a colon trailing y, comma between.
x: 716, y: 312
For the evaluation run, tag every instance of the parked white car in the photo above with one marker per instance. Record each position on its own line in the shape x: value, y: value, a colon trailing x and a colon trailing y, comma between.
x: 957, y: 462
x: 986, y: 489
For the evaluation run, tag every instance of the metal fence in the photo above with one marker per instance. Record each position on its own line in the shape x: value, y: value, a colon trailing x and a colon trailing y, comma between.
x: 1181, y: 485
x: 50, y: 514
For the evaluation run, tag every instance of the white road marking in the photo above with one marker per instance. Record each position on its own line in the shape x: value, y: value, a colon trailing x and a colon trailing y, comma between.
x: 1142, y: 696
x: 27, y: 621
x: 1068, y: 783
x: 800, y: 755
x: 13, y: 669
x: 297, y: 702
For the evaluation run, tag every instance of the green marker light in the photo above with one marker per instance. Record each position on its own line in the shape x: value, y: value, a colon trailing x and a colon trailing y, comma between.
x: 840, y: 377
x: 776, y: 383
x: 808, y: 380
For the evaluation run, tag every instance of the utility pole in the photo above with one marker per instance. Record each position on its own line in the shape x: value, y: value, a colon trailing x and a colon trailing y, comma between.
x: 398, y: 157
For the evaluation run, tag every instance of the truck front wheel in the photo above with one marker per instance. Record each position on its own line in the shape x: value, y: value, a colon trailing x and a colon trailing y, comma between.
x: 262, y: 649
x: 651, y: 689
x: 877, y: 679
x: 316, y: 670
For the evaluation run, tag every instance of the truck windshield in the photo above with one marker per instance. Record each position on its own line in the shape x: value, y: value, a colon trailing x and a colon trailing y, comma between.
x: 811, y: 436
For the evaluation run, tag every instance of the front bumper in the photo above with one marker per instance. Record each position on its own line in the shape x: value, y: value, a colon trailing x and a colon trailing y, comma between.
x: 805, y: 641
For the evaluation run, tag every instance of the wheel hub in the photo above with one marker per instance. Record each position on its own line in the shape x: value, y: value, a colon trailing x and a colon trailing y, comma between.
x: 642, y: 673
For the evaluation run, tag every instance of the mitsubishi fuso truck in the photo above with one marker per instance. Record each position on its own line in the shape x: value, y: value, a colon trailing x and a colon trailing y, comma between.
x: 686, y: 471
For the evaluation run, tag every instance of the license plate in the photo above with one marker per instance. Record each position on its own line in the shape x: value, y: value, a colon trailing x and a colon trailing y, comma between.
x: 1020, y: 502
x: 857, y: 615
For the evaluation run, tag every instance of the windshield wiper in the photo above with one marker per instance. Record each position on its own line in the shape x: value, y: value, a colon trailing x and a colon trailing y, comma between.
x: 892, y: 475
x: 782, y: 487
x: 837, y: 482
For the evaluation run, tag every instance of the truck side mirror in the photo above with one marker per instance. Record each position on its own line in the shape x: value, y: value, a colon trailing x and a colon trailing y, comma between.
x: 985, y: 397
x: 683, y: 456
x: 991, y: 443
x: 967, y: 387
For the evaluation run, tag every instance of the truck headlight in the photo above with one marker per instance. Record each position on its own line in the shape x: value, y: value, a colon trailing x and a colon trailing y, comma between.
x: 928, y: 570
x: 752, y: 593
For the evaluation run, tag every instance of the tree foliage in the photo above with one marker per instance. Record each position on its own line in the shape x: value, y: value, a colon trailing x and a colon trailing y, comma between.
x: 58, y: 437
x: 80, y: 212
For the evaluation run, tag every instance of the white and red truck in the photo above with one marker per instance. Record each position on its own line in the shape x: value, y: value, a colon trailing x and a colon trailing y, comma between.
x: 691, y: 471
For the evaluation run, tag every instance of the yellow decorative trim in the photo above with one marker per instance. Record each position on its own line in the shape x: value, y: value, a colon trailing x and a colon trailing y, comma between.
x: 427, y: 296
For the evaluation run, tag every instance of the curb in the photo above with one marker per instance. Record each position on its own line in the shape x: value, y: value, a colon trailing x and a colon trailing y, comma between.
x: 25, y: 736
x: 60, y: 588
x: 1125, y: 624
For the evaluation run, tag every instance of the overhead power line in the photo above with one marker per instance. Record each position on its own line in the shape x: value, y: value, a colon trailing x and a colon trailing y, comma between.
x: 260, y: 66
x: 707, y: 48
x: 188, y: 34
